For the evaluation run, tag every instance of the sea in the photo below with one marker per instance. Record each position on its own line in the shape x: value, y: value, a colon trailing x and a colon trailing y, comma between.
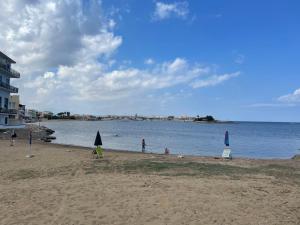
x: 265, y: 140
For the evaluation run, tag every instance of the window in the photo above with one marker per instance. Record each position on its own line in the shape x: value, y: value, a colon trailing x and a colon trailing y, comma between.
x: 0, y: 102
x: 6, y: 103
x: 7, y: 80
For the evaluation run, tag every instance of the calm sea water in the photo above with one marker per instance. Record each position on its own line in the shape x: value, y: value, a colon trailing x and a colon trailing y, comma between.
x: 247, y: 139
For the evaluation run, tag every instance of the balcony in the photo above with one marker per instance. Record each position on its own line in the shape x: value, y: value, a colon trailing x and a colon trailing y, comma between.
x: 8, y: 87
x: 9, y: 72
x: 8, y: 111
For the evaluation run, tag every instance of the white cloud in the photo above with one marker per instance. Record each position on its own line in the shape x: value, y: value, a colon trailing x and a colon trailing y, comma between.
x: 93, y: 82
x: 168, y: 10
x: 214, y: 80
x: 149, y: 61
x: 177, y: 65
x: 291, y: 98
x: 48, y: 75
x: 47, y: 34
x: 65, y: 53
x: 269, y: 105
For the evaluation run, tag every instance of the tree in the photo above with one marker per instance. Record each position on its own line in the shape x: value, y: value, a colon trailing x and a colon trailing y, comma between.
x: 210, y: 118
x: 206, y: 119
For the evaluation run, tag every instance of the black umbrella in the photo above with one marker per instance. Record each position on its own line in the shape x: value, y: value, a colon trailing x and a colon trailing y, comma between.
x: 98, y: 140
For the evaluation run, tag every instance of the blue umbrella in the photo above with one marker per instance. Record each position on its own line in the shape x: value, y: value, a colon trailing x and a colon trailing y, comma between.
x: 226, y: 141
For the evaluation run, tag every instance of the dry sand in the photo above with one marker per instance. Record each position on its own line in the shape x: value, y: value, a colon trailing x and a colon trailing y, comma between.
x: 65, y: 185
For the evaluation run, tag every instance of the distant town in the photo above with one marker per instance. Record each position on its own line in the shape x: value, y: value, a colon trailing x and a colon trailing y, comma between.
x: 32, y: 115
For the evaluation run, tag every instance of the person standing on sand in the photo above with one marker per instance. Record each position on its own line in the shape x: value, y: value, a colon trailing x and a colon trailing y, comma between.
x: 167, y: 151
x: 13, y: 136
x: 143, y: 145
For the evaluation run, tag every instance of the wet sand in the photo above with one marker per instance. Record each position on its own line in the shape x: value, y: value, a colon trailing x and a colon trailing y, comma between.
x: 66, y: 185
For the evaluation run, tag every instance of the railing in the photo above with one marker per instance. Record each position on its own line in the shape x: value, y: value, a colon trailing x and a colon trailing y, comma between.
x: 8, y: 111
x: 11, y: 72
x: 15, y: 73
x: 12, y: 89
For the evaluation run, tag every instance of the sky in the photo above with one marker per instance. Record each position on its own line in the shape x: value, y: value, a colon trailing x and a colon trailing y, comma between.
x: 235, y: 60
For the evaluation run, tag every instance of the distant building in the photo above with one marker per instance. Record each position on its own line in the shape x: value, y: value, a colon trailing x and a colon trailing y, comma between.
x: 22, y: 111
x: 14, y: 104
x: 7, y: 114
x: 171, y: 117
x: 46, y: 114
x: 31, y: 115
x: 14, y: 101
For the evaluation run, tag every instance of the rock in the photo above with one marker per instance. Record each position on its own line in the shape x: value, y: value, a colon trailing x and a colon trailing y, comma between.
x: 46, y: 139
x: 49, y: 131
x: 51, y: 137
x: 38, y: 133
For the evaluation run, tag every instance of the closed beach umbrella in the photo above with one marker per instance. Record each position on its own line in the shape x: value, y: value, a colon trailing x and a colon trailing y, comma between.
x: 98, y: 140
x: 30, y: 137
x: 226, y: 141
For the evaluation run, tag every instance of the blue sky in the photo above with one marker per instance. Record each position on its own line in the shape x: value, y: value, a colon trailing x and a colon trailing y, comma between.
x: 236, y: 60
x: 265, y: 34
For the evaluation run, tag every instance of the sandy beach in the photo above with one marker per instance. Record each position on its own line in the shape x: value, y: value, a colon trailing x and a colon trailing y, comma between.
x: 66, y: 185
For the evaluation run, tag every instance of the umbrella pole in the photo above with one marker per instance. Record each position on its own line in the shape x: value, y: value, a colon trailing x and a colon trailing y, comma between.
x: 30, y: 142
x: 29, y: 152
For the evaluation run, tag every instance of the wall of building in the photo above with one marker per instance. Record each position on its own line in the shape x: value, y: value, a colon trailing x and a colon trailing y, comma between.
x: 14, y: 101
x: 4, y: 78
x: 3, y: 94
x: 2, y: 119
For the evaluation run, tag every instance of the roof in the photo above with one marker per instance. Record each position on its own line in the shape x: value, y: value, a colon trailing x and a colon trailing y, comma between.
x: 2, y: 55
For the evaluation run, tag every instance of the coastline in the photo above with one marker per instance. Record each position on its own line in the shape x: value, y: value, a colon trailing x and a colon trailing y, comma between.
x: 297, y: 156
x: 47, y: 135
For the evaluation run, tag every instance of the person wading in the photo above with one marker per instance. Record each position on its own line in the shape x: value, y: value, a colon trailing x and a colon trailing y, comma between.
x: 143, y: 145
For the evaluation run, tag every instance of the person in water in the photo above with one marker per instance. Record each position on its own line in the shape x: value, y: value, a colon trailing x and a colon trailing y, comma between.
x: 143, y: 145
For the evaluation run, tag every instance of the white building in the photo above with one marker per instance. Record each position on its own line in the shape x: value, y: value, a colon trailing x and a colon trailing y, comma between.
x: 31, y: 115
x: 14, y: 103
x: 7, y: 114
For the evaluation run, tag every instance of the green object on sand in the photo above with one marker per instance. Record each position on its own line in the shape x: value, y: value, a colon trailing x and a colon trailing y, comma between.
x: 99, y: 151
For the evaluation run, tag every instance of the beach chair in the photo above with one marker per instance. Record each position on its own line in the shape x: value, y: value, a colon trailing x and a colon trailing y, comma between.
x: 227, y: 153
x: 99, y: 152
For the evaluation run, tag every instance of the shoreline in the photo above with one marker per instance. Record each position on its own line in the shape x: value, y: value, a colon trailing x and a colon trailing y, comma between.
x: 154, y: 120
x: 186, y: 158
x: 173, y: 155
